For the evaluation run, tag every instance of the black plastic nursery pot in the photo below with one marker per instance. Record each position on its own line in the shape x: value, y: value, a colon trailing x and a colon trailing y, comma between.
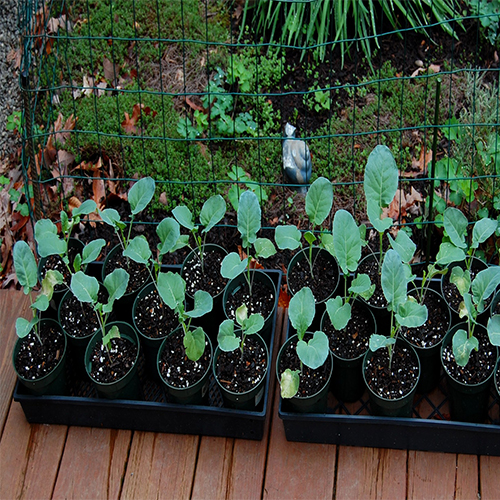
x: 239, y: 283
x: 328, y: 289
x: 468, y: 402
x: 347, y: 381
x: 54, y: 382
x: 315, y: 403
x: 248, y: 400
x: 126, y: 387
x: 496, y: 378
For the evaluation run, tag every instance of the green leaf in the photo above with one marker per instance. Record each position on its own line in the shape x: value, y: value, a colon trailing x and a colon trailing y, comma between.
x: 212, y: 212
x: 138, y: 250
x: 110, y: 216
x: 241, y: 314
x: 319, y: 200
x: 374, y: 212
x: 168, y: 231
x: 85, y: 288
x: 194, y: 343
x: 346, y: 241
x: 48, y: 242
x: 203, y: 304
x: 232, y: 265
x: 287, y: 237
x: 411, y: 314
x: 25, y: 266
x: 379, y: 341
x: 449, y: 253
x: 394, y: 279
x: 182, y: 242
x: 301, y: 310
x: 455, y: 225
x: 313, y: 353
x: 494, y: 329
x: 361, y: 284
x: 338, y: 312
x: 50, y: 280
x: 116, y: 284
x: 253, y: 324
x: 483, y: 229
x: 41, y: 303
x: 462, y: 347
x: 184, y: 216
x: 24, y: 327
x: 484, y: 284
x: 461, y: 279
x: 140, y: 194
x: 172, y: 289
x: 289, y: 383
x: 327, y: 243
x: 249, y: 215
x: 226, y: 338
x: 310, y: 237
x: 86, y: 208
x: 381, y: 178
x: 113, y: 333
x: 92, y: 250
x: 403, y: 245
x: 65, y: 226
x: 264, y: 248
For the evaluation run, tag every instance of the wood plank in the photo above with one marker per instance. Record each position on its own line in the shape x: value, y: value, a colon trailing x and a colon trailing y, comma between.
x: 160, y: 466
x: 13, y: 303
x: 431, y: 475
x: 29, y: 456
x: 467, y: 480
x: 93, y: 463
x: 370, y: 473
x: 489, y: 477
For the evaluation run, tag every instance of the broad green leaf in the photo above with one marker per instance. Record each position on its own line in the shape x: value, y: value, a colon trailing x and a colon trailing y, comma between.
x: 455, y: 225
x: 314, y: 352
x: 319, y: 200
x: 172, y: 289
x: 484, y: 284
x: 289, y: 383
x: 461, y: 279
x: 264, y: 248
x: 411, y: 314
x: 182, y: 242
x: 393, y: 280
x: 463, y: 346
x: 168, y: 231
x: 92, y: 250
x: 249, y: 215
x: 41, y: 303
x: 23, y: 326
x: 50, y: 280
x: 374, y: 213
x: 87, y: 207
x: 466, y: 309
x: 226, y: 338
x: 449, y: 253
x: 379, y: 341
x: 403, y: 245
x: 65, y: 225
x: 25, y: 266
x: 232, y: 265
x: 110, y: 216
x: 483, y: 229
x: 301, y: 310
x: 241, y: 314
x: 346, y: 241
x: 310, y: 237
x: 116, y: 284
x: 184, y: 216
x: 138, y: 250
x: 85, y: 288
x: 494, y: 330
x: 338, y: 312
x: 381, y: 178
x: 287, y: 237
x: 360, y: 284
x: 48, y: 242
x: 194, y: 343
x: 212, y: 212
x: 140, y: 194
x: 253, y: 324
x: 203, y: 304
x: 327, y: 243
x: 113, y: 333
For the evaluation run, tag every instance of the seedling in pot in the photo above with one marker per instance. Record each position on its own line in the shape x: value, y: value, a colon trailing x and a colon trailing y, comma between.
x: 249, y: 325
x: 172, y: 290
x: 313, y: 353
x: 27, y: 276
x: 249, y: 215
x: 319, y: 201
x: 347, y: 243
x: 404, y: 309
x: 483, y: 285
x: 212, y: 212
x: 86, y: 289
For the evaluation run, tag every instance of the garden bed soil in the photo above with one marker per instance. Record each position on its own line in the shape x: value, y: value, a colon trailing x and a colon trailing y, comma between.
x: 36, y: 359
x: 153, y: 318
x: 239, y: 372
x: 109, y: 366
x: 207, y: 278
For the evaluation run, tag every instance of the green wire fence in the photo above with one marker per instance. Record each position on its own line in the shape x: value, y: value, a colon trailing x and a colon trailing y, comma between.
x: 196, y: 94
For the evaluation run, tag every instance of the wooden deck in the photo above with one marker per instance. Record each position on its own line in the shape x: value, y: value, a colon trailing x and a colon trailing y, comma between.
x: 48, y: 461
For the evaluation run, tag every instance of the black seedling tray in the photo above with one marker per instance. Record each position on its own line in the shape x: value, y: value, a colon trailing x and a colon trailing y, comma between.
x: 82, y: 406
